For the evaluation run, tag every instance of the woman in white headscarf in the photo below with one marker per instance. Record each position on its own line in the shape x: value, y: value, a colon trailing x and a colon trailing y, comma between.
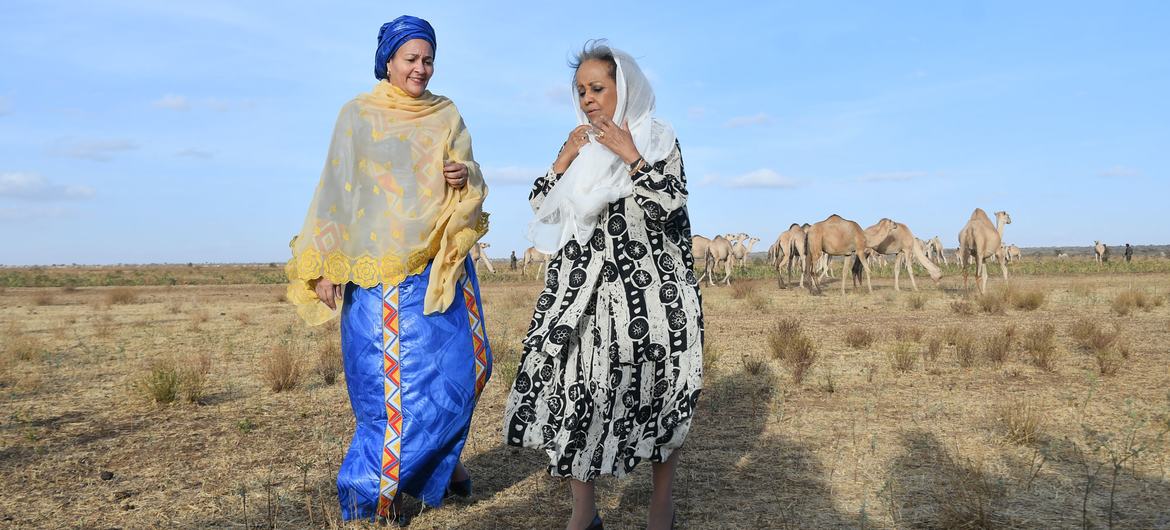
x: 612, y: 363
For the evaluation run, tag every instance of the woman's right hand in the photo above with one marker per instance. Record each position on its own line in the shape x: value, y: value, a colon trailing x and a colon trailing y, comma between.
x: 577, y: 139
x: 328, y: 292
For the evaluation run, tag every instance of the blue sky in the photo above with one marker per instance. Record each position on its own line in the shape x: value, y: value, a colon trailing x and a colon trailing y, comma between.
x: 143, y: 132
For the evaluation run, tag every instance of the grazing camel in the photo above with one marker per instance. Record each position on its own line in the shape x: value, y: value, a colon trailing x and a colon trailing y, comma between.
x: 892, y: 237
x: 719, y: 250
x: 980, y: 240
x: 1099, y: 250
x: 699, y: 246
x: 790, y: 243
x: 837, y: 236
x: 478, y: 255
x: 531, y: 255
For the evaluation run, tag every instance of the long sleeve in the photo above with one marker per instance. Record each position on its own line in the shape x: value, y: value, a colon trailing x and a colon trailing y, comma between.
x: 661, y: 189
x: 541, y: 187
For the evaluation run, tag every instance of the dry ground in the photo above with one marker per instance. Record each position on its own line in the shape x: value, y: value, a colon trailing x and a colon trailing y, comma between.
x: 859, y: 443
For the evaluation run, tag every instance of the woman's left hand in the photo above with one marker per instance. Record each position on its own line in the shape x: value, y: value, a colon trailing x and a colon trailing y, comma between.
x: 616, y: 139
x: 455, y: 174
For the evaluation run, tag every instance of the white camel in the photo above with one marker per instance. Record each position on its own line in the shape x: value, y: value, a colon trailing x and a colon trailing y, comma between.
x: 479, y: 256
x: 536, y: 257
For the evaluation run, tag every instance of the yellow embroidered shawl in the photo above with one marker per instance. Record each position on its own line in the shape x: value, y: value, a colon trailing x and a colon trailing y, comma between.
x: 382, y: 209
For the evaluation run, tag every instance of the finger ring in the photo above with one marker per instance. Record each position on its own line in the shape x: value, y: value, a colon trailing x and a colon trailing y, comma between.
x: 601, y: 135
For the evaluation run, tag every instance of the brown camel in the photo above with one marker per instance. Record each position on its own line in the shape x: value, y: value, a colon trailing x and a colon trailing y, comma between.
x: 478, y: 255
x: 531, y: 255
x: 940, y: 253
x: 1013, y: 253
x: 891, y: 237
x: 1099, y: 252
x: 980, y: 240
x: 790, y: 244
x: 719, y: 250
x: 699, y: 246
x: 837, y: 236
x: 743, y: 248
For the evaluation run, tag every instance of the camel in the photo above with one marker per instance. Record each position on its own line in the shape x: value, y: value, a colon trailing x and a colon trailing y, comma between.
x: 478, y: 255
x: 1099, y: 250
x: 742, y: 251
x: 837, y: 236
x: 791, y: 242
x: 531, y: 255
x: 980, y: 240
x: 891, y: 237
x: 1013, y: 253
x: 938, y: 251
x: 699, y: 246
x: 719, y: 250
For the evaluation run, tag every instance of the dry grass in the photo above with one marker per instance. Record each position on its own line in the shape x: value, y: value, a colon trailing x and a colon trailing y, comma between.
x: 908, y: 333
x: 1039, y: 343
x: 197, y: 318
x: 964, y: 342
x: 741, y: 290
x: 103, y: 327
x: 1092, y: 337
x: 194, y: 375
x: 934, y: 347
x: 43, y: 298
x: 711, y: 351
x: 962, y: 307
x: 916, y: 302
x: 1027, y: 300
x: 1109, y: 362
x: 789, y: 343
x: 859, y: 337
x: 281, y: 367
x: 244, y: 317
x: 329, y: 362
x: 1020, y: 420
x: 160, y: 383
x: 755, y: 365
x: 19, y: 346
x: 174, y: 307
x: 992, y: 302
x: 997, y: 346
x: 1127, y: 301
x: 902, y: 356
x: 121, y: 295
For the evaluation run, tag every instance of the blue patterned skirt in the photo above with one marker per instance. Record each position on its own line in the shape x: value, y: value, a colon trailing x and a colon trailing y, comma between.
x: 413, y: 381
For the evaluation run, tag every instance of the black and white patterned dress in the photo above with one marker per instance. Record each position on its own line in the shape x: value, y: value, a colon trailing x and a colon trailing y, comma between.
x: 613, y: 361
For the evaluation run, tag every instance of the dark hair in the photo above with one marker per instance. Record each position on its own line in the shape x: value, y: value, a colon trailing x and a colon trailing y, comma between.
x: 595, y: 50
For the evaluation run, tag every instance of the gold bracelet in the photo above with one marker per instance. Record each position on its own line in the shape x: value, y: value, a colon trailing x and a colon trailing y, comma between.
x: 636, y: 165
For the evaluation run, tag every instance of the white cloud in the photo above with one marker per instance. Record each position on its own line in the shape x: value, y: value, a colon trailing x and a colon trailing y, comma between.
x: 1120, y: 171
x: 172, y: 102
x: 97, y: 150
x: 506, y: 175
x: 34, y: 186
x: 191, y: 152
x: 747, y: 121
x: 893, y: 176
x: 763, y: 178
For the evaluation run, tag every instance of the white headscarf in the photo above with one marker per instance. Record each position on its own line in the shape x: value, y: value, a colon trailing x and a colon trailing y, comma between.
x: 597, y: 176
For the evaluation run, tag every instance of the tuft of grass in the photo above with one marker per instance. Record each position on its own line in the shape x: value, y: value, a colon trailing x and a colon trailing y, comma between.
x: 902, y: 357
x: 1039, y: 343
x: 1109, y: 362
x: 1126, y: 301
x: 121, y: 295
x: 175, y: 307
x: 962, y: 307
x: 1029, y: 300
x: 197, y: 318
x: 934, y: 347
x: 103, y: 328
x: 1092, y: 337
x: 996, y: 346
x: 1021, y: 422
x: 329, y: 361
x: 193, y: 377
x: 741, y: 290
x: 43, y: 298
x: 754, y: 364
x: 161, y: 383
x: 711, y: 351
x: 908, y: 333
x: 789, y: 343
x: 21, y: 347
x: 965, y: 349
x: 281, y: 367
x: 992, y: 303
x: 916, y: 302
x: 244, y: 317
x: 859, y: 337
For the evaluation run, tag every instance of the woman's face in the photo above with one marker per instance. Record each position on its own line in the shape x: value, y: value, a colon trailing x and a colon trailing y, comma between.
x: 596, y: 90
x: 412, y: 66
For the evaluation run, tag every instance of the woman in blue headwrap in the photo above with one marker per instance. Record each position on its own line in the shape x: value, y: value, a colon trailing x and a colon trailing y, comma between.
x: 385, y: 244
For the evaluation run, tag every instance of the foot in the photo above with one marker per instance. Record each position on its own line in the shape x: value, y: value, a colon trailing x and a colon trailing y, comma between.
x: 592, y: 521
x: 661, y: 517
x: 460, y: 484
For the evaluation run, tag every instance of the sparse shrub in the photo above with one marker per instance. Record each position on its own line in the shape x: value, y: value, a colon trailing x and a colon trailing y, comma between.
x: 740, y: 290
x: 908, y: 333
x: 121, y: 295
x: 996, y: 346
x: 104, y: 326
x: 790, y: 344
x: 711, y: 351
x: 1030, y: 300
x: 916, y: 302
x: 1130, y: 299
x: 992, y: 303
x: 933, y: 349
x: 1040, y: 345
x: 281, y: 367
x: 43, y: 298
x: 859, y: 337
x: 193, y: 377
x: 759, y: 300
x: 329, y: 362
x: 1109, y: 362
x: 962, y: 307
x: 175, y: 307
x: 198, y: 317
x: 244, y: 317
x: 1093, y: 338
x: 161, y: 383
x: 965, y: 349
x: 754, y: 365
x: 21, y: 347
x: 1021, y: 421
x: 952, y: 333
x: 902, y: 357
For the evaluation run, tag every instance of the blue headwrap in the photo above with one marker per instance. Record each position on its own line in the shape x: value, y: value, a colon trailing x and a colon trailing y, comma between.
x: 396, y: 33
